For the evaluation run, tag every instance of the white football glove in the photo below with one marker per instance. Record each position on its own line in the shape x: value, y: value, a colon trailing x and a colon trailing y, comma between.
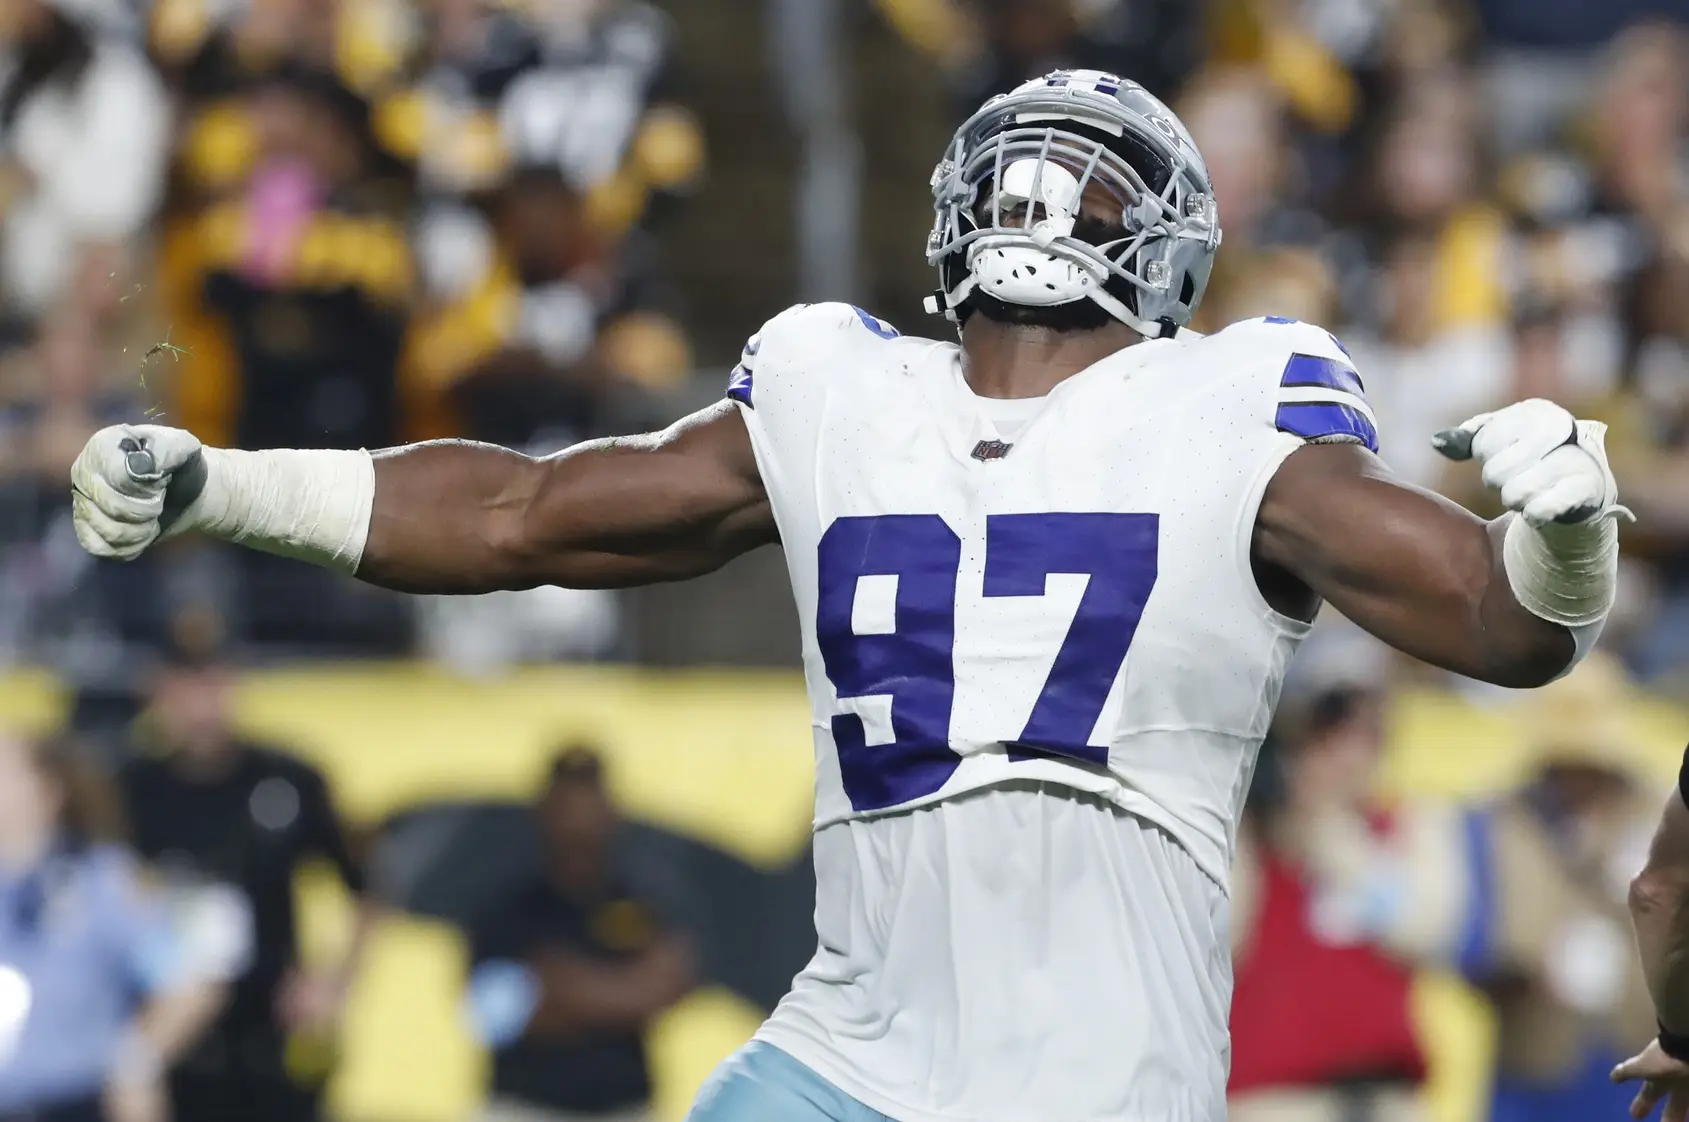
x: 1548, y: 465
x: 130, y: 486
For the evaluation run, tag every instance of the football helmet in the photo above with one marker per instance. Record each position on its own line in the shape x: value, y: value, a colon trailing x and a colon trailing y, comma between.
x: 1008, y: 192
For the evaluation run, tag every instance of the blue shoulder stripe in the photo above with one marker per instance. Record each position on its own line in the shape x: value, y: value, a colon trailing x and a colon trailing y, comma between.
x: 1314, y: 370
x: 1327, y: 420
x: 739, y: 385
x: 739, y: 379
x: 878, y: 326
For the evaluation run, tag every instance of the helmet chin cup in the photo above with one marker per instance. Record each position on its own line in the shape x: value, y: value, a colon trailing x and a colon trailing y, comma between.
x: 1018, y: 271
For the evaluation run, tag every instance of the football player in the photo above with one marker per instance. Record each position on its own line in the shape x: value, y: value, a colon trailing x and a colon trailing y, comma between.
x: 1049, y: 578
x: 1659, y: 905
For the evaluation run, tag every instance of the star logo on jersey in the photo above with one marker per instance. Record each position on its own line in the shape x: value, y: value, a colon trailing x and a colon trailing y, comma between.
x: 987, y: 450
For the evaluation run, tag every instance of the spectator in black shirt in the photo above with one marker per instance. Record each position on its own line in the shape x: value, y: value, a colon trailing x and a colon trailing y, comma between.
x: 570, y: 966
x: 212, y: 807
x: 595, y: 328
x: 310, y: 271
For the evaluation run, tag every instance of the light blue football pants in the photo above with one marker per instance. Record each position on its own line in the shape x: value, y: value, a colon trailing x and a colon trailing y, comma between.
x: 760, y: 1083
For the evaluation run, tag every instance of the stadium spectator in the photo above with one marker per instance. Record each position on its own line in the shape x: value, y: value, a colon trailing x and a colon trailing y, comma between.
x: 1424, y: 374
x: 58, y: 391
x: 1548, y: 935
x: 1649, y: 417
x: 585, y: 91
x: 566, y: 331
x: 80, y: 366
x: 585, y: 88
x: 1236, y: 116
x: 1158, y: 43
x: 84, y: 137
x: 1600, y: 213
x: 1322, y: 1027
x: 210, y: 807
x: 309, y: 270
x: 571, y: 967
x: 1281, y: 281
x: 299, y: 285
x: 1566, y: 24
x: 100, y: 988
x: 68, y: 382
x: 588, y: 323
x: 1623, y: 253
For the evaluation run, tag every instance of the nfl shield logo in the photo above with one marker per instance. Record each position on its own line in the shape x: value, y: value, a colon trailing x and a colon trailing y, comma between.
x: 987, y: 450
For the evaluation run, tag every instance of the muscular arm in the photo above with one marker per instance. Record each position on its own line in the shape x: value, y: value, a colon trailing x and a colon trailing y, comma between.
x: 1410, y: 567
x: 452, y: 516
x: 1659, y: 906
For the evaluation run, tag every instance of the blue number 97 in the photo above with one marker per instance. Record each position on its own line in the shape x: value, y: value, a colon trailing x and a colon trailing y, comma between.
x: 911, y: 665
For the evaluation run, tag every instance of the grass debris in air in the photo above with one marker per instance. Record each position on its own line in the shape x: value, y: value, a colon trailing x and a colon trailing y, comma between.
x: 163, y: 347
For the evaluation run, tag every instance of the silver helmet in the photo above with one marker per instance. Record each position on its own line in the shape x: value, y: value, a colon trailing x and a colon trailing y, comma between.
x: 1007, y: 195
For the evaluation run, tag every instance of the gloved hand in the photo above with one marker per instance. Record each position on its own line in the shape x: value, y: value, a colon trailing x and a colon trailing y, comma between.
x: 131, y: 485
x: 1548, y: 465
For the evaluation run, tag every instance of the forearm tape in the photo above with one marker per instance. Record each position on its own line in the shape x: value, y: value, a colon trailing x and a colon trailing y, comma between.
x: 313, y: 505
x: 1565, y: 574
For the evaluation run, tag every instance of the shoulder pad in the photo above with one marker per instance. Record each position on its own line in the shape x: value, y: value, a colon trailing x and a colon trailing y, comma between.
x: 795, y: 336
x: 1318, y: 394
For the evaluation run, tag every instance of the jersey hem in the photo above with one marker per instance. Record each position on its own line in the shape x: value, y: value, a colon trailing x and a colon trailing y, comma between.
x: 816, y: 1056
x: 1216, y: 866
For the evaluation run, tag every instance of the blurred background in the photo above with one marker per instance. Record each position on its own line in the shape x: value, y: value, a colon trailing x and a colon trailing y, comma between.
x: 344, y: 854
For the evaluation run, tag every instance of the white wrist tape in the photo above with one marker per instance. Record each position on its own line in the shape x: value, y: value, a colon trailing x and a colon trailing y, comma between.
x: 313, y: 505
x: 1565, y: 574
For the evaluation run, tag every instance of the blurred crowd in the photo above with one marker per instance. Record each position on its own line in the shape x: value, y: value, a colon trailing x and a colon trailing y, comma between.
x: 1342, y: 898
x: 328, y: 223
x: 151, y: 967
x: 357, y: 222
x: 318, y: 223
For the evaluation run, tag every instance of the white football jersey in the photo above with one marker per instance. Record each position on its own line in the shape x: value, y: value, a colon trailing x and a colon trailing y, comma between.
x: 1048, y: 643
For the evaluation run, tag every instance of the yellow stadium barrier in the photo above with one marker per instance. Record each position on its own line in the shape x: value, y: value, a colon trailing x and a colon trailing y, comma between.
x: 723, y: 756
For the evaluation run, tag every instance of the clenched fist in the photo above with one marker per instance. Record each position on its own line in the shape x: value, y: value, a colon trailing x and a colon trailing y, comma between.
x: 130, y: 486
x: 1548, y: 465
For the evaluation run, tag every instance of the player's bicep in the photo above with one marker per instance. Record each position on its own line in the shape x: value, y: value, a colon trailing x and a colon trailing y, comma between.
x: 662, y: 506
x: 1408, y: 565
x: 1337, y: 518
